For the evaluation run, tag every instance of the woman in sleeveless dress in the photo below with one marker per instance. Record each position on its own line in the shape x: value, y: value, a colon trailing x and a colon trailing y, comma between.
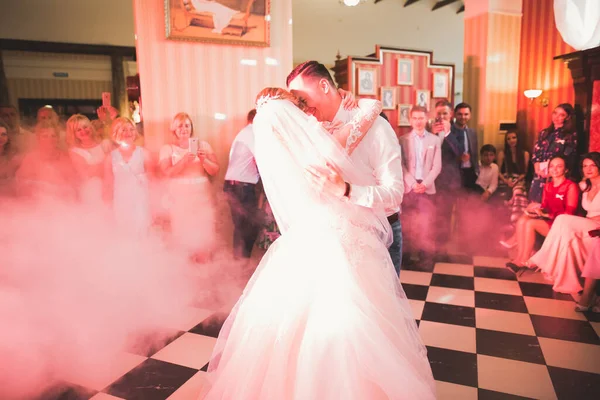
x: 87, y: 153
x: 568, y: 244
x: 323, y: 316
x: 126, y: 179
x: 191, y: 198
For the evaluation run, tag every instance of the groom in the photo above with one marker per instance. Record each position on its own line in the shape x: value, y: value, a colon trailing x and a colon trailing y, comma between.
x: 379, y: 154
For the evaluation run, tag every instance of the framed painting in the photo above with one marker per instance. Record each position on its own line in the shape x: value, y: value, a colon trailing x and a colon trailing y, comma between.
x: 234, y: 22
x: 440, y: 85
x: 406, y: 68
x: 388, y: 98
x: 367, y: 81
x: 404, y: 114
x: 423, y: 98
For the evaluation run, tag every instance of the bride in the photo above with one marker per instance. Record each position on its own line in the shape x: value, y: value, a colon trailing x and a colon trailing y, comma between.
x: 323, y: 316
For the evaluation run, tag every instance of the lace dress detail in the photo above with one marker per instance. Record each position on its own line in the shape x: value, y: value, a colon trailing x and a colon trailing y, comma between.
x: 362, y: 121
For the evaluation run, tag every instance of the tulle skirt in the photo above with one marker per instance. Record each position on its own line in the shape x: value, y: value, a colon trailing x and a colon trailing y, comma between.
x: 323, y: 317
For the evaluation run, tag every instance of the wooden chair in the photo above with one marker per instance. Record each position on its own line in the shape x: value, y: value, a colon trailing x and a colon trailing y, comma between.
x: 238, y: 25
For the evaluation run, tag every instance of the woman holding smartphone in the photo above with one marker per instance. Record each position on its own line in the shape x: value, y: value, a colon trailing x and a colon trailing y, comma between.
x: 560, y: 196
x: 188, y: 163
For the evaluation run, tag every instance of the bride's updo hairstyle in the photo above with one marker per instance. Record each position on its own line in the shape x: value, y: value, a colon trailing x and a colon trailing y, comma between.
x: 280, y: 94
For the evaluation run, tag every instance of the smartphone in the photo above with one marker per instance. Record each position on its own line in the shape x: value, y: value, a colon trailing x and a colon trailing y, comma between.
x: 106, y: 99
x: 438, y: 120
x: 193, y: 145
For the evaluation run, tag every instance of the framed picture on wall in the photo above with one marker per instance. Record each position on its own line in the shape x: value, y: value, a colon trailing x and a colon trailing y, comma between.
x: 388, y: 98
x: 404, y: 114
x: 440, y: 85
x: 405, y: 71
x: 423, y: 98
x: 367, y: 81
x: 233, y: 22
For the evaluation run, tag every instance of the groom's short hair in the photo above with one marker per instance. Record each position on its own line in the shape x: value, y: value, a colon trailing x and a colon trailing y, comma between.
x: 311, y: 69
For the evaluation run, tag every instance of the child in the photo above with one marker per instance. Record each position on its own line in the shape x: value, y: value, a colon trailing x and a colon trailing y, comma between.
x: 487, y: 181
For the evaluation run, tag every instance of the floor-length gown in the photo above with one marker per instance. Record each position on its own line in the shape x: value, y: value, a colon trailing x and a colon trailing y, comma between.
x: 566, y: 248
x: 131, y: 200
x: 323, y: 316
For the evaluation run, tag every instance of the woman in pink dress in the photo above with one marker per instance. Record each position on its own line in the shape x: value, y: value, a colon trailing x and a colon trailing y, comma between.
x: 568, y: 244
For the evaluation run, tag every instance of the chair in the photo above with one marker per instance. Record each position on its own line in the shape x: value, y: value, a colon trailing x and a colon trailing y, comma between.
x: 238, y: 25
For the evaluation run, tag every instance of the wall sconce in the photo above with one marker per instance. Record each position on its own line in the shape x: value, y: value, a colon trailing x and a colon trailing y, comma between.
x: 533, y: 94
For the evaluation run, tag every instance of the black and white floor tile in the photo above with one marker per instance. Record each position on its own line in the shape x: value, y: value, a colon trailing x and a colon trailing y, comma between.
x: 489, y: 334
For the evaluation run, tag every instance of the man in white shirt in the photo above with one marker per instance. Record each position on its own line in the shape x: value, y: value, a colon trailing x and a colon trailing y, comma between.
x: 240, y: 186
x: 379, y: 154
x: 487, y: 181
x: 421, y: 165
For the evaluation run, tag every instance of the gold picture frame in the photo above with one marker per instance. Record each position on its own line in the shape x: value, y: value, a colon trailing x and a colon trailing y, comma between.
x: 232, y: 22
x: 406, y: 71
x: 367, y: 81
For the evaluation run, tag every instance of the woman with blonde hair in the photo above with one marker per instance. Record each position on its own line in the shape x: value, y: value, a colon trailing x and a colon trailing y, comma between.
x: 87, y: 153
x: 126, y: 179
x: 188, y: 163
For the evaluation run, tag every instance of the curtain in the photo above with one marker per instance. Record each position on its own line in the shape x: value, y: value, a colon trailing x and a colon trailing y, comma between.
x: 578, y: 22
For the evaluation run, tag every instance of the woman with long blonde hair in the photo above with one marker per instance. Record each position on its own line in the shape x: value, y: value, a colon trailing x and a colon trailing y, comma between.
x: 126, y: 171
x: 87, y: 152
x: 188, y: 163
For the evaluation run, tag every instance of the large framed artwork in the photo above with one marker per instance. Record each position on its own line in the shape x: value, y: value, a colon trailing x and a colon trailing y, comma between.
x: 236, y: 22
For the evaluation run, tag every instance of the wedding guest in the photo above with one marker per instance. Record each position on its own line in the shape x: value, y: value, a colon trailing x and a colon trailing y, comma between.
x: 87, y: 153
x: 487, y: 181
x: 48, y: 115
x: 561, y: 196
x: 558, y: 139
x: 240, y: 186
x: 568, y: 244
x: 22, y: 140
x: 188, y: 163
x: 421, y: 165
x: 126, y: 171
x: 514, y: 162
x: 47, y: 170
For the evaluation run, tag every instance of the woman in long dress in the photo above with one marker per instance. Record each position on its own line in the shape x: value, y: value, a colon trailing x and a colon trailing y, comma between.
x: 126, y: 172
x: 191, y: 198
x: 568, y: 244
x: 324, y: 316
x: 87, y: 153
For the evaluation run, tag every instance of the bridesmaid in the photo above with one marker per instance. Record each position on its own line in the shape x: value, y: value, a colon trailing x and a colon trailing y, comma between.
x: 126, y: 179
x: 87, y: 153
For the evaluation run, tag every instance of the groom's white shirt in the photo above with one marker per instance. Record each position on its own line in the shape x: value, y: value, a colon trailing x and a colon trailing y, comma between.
x: 379, y: 154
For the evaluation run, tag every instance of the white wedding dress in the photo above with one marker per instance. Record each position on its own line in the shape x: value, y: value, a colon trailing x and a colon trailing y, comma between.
x: 324, y: 316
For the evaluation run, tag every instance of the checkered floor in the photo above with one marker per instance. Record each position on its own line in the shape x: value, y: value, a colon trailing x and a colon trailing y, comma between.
x: 489, y: 336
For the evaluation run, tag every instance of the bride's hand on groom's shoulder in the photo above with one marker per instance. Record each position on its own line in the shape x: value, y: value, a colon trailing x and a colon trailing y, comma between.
x: 348, y: 100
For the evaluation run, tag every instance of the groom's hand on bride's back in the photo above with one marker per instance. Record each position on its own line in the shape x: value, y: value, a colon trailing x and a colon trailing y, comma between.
x: 326, y: 180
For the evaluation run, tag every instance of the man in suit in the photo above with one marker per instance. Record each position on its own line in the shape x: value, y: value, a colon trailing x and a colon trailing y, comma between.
x: 421, y: 165
x: 461, y: 143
